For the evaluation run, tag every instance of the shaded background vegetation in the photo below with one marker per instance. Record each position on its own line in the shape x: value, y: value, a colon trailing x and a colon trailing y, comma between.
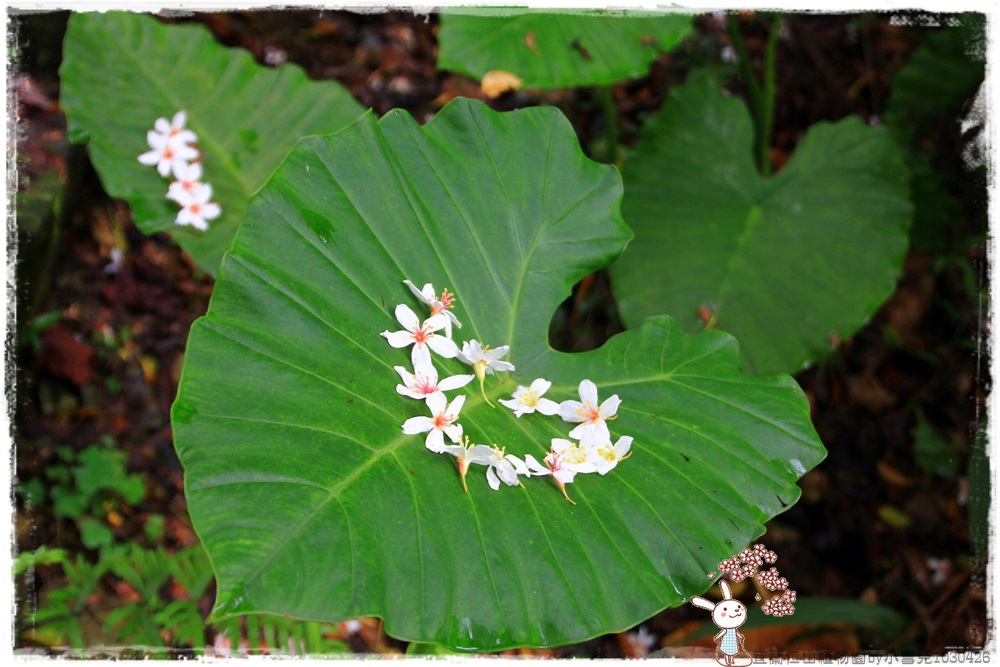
x: 895, y: 515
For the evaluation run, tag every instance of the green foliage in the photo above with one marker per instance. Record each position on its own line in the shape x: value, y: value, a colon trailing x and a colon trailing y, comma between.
x: 59, y: 619
x: 86, y: 485
x: 935, y: 455
x: 153, y: 622
x: 556, y: 50
x: 310, y: 500
x: 787, y: 263
x: 27, y: 560
x: 927, y: 96
x: 941, y: 74
x: 280, y: 635
x: 246, y: 116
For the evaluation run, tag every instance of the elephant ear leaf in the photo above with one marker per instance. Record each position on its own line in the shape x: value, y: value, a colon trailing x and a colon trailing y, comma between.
x: 246, y: 116
x: 789, y: 264
x: 546, y: 49
x: 313, y: 502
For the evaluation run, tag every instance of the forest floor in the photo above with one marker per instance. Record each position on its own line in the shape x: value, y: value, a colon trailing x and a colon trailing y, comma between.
x: 100, y: 338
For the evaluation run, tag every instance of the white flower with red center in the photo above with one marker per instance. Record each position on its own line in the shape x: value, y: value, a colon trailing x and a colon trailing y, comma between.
x: 166, y: 156
x: 174, y: 130
x: 529, y: 399
x: 574, y: 456
x: 421, y: 336
x: 196, y: 209
x: 439, y: 424
x: 609, y: 455
x: 465, y: 454
x: 170, y: 144
x: 484, y: 361
x: 423, y: 382
x: 188, y: 180
x: 592, y: 428
x: 504, y: 468
x: 438, y: 306
x: 556, y: 466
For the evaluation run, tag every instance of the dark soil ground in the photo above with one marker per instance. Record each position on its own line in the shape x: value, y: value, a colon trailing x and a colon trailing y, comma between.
x: 98, y: 351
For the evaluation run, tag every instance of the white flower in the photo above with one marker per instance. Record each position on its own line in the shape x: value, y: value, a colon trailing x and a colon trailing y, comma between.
x: 423, y: 382
x: 188, y: 180
x: 528, y: 399
x: 556, y: 466
x: 196, y: 209
x: 421, y: 335
x: 504, y: 468
x: 575, y: 457
x: 609, y: 455
x: 174, y: 130
x: 440, y: 424
x: 642, y: 641
x: 166, y: 156
x: 592, y: 429
x: 466, y: 454
x: 484, y: 361
x: 170, y: 144
x: 438, y: 306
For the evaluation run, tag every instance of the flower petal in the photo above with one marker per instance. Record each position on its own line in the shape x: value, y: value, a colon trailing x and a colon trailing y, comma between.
x: 415, y: 425
x: 443, y: 345
x: 454, y: 382
x: 455, y: 406
x: 417, y: 293
x: 588, y: 392
x: 454, y: 432
x: 540, y: 386
x: 211, y: 211
x: 534, y: 467
x: 547, y: 407
x: 609, y: 407
x: 516, y: 406
x: 437, y: 403
x: 406, y: 317
x: 435, y: 441
x: 397, y: 338
x: 492, y: 479
x: 569, y: 410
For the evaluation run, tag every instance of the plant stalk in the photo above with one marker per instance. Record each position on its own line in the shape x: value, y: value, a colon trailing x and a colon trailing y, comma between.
x: 607, y: 102
x: 769, y: 93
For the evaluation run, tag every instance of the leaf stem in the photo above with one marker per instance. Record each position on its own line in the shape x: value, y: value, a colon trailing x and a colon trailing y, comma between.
x: 607, y: 102
x: 746, y: 72
x: 769, y: 94
x: 761, y: 100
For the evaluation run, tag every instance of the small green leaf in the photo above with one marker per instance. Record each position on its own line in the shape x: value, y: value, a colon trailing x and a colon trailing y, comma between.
x: 93, y: 533
x: 934, y: 454
x: 788, y: 264
x: 41, y: 556
x: 121, y: 71
x: 312, y: 502
x: 546, y: 49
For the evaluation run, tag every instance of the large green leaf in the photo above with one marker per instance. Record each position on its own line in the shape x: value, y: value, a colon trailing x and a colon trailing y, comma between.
x: 927, y: 96
x: 121, y: 71
x: 312, y: 502
x: 788, y: 264
x: 554, y: 50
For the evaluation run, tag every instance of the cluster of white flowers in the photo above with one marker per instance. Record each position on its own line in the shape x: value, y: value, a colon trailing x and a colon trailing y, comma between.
x: 592, y: 453
x: 172, y: 151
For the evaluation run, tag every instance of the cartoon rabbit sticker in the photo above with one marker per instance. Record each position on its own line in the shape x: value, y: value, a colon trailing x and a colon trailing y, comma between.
x: 728, y: 615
